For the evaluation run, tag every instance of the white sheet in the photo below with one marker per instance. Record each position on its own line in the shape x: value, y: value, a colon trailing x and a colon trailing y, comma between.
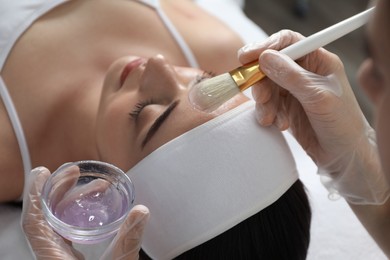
x: 336, y: 233
x: 12, y: 242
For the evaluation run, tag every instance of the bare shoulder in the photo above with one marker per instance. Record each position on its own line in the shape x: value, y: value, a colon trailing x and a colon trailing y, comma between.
x: 11, y: 172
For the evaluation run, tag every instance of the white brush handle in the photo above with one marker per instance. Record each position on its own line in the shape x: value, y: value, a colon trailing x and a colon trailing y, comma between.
x: 328, y: 35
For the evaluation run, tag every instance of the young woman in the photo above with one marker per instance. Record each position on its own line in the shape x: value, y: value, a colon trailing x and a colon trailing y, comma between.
x: 56, y: 53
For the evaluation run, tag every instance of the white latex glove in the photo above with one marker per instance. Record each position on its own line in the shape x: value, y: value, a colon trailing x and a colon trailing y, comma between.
x: 46, y: 244
x: 313, y: 99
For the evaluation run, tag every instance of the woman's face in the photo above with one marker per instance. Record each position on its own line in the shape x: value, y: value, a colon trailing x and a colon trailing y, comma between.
x: 374, y: 76
x: 144, y: 104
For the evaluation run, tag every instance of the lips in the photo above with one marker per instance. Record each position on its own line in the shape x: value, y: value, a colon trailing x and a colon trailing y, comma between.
x: 128, y: 68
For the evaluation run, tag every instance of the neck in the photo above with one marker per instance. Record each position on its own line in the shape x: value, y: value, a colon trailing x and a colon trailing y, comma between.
x: 54, y: 136
x: 68, y: 133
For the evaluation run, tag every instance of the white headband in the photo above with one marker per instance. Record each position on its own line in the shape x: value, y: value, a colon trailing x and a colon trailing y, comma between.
x: 209, y: 179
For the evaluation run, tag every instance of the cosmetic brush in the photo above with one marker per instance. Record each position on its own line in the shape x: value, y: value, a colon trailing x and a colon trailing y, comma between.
x: 211, y: 93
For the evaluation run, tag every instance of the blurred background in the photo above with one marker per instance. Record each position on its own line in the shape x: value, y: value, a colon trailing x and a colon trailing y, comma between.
x: 310, y: 16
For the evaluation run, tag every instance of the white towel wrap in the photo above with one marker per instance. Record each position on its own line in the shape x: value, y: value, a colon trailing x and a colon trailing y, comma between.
x: 209, y: 179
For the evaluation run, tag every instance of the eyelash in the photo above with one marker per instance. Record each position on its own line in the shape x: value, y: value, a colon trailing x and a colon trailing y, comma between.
x: 142, y: 104
x: 205, y: 75
x: 139, y: 107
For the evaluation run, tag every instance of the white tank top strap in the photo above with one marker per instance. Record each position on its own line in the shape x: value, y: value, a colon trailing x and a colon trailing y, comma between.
x: 17, y: 126
x: 152, y: 3
x: 174, y: 32
x: 16, y: 17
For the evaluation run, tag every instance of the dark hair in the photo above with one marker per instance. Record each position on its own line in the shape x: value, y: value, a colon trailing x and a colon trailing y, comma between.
x: 280, y: 231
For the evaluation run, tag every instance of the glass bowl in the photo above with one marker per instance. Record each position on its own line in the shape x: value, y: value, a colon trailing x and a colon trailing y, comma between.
x: 87, y: 201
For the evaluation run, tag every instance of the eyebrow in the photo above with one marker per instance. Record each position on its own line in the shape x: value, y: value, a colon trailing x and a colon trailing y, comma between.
x: 158, y: 122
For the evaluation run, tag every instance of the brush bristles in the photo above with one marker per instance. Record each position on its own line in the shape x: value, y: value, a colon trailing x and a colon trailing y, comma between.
x: 210, y: 94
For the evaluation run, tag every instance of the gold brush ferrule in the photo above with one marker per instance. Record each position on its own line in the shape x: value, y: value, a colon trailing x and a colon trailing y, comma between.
x: 247, y: 75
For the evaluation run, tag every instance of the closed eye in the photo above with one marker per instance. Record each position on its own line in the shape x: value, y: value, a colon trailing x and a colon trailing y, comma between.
x: 158, y: 122
x: 134, y: 114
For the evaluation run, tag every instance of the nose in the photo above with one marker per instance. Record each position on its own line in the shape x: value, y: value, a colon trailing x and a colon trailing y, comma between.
x: 160, y: 78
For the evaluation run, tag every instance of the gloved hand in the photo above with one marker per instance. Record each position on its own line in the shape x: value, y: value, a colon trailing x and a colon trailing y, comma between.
x: 314, y: 100
x: 47, y: 244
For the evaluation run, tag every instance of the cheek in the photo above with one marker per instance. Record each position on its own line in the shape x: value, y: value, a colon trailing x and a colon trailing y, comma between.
x: 114, y: 135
